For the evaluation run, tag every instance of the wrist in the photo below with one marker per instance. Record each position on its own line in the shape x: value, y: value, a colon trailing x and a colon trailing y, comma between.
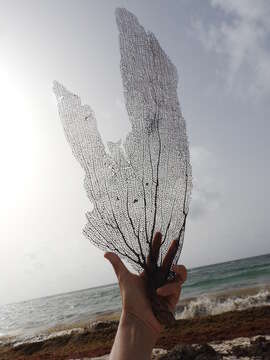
x: 144, y: 317
x: 140, y: 327
x: 134, y: 339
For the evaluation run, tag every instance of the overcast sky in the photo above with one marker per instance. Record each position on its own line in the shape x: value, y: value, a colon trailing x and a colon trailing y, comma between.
x: 222, y: 52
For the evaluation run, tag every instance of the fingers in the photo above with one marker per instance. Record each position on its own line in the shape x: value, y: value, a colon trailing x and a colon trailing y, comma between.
x: 173, y: 288
x: 156, y: 246
x: 168, y: 259
x: 118, y: 266
x: 181, y: 273
x: 153, y: 256
x: 168, y: 289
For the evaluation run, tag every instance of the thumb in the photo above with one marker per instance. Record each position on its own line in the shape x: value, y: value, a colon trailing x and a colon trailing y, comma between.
x: 118, y: 266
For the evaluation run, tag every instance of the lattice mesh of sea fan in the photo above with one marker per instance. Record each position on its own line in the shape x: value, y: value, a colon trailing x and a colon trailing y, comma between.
x: 144, y: 185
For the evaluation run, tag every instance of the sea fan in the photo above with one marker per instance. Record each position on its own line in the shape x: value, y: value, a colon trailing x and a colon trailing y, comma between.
x: 144, y: 185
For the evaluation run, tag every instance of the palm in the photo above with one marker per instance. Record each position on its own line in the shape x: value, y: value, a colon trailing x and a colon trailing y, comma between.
x: 137, y: 296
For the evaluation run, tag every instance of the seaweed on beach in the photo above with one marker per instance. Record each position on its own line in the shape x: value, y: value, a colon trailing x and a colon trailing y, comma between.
x: 98, y: 339
x: 143, y: 185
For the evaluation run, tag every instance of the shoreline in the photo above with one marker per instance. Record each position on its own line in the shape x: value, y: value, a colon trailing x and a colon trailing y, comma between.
x: 96, y: 339
x: 211, y: 303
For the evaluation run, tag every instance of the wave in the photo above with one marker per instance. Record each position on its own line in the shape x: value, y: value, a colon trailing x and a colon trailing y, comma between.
x: 237, y: 275
x: 205, y: 305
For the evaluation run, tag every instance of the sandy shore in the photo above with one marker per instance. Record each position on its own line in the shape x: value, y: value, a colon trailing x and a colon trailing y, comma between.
x: 217, y: 331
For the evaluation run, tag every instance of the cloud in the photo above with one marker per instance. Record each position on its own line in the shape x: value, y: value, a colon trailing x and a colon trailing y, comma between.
x: 32, y: 262
x: 242, y: 40
x: 205, y: 194
x: 203, y: 201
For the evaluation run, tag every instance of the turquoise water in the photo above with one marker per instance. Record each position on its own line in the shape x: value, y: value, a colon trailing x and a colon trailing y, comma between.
x: 235, y: 274
x: 34, y: 316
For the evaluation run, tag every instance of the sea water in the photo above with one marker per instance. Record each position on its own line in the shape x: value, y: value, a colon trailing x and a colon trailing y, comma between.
x: 211, y: 289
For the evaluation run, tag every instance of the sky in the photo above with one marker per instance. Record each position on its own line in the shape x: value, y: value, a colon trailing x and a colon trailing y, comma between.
x: 221, y: 49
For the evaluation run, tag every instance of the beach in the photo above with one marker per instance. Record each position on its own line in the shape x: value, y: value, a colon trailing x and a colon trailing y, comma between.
x: 224, y: 313
x: 228, y: 334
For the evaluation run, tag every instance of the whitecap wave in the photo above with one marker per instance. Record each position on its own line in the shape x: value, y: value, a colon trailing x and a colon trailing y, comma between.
x: 205, y: 305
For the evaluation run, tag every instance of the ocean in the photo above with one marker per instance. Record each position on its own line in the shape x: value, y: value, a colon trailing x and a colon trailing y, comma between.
x: 211, y: 289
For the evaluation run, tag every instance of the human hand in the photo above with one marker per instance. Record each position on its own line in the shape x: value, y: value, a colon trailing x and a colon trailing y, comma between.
x: 134, y: 288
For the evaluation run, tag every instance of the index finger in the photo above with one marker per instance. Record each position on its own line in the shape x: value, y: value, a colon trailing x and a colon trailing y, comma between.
x: 152, y: 258
x: 168, y: 259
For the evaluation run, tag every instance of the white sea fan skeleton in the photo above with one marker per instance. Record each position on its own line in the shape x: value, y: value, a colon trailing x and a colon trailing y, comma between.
x: 143, y: 186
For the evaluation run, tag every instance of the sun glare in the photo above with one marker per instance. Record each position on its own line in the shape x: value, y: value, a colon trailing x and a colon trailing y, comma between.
x: 16, y: 153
